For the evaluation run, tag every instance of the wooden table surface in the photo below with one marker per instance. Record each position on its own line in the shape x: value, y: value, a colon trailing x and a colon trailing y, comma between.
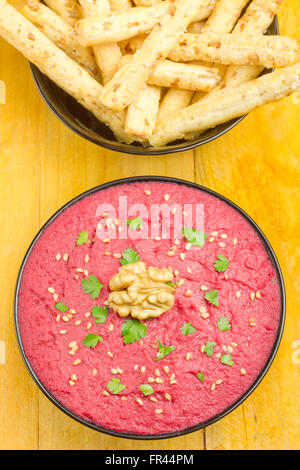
x: 43, y: 165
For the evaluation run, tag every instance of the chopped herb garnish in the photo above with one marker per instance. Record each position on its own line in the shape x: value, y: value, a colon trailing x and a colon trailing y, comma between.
x: 61, y: 307
x: 223, y: 324
x: 212, y: 297
x: 187, y: 329
x: 129, y: 256
x: 115, y: 387
x: 133, y: 330
x: 221, y: 263
x: 171, y: 284
x: 135, y: 224
x: 227, y: 359
x: 100, y: 313
x: 200, y: 376
x: 209, y: 348
x: 146, y: 389
x: 193, y: 236
x: 91, y: 340
x: 82, y: 238
x: 163, y: 351
x: 91, y: 285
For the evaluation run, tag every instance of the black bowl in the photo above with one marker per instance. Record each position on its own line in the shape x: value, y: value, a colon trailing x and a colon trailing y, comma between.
x: 128, y: 435
x: 84, y: 123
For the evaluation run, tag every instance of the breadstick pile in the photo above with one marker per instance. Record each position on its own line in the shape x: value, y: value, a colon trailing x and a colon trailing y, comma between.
x: 156, y: 71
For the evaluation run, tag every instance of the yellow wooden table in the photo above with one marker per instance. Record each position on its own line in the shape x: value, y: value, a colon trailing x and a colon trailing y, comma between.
x: 43, y: 165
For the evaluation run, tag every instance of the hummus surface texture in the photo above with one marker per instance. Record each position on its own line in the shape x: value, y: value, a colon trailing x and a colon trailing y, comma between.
x: 186, y: 366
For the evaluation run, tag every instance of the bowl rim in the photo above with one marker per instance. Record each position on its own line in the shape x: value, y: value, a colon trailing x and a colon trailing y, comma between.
x: 226, y: 411
x: 128, y: 148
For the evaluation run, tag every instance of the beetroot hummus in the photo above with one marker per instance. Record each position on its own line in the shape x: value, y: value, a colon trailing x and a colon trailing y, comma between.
x: 161, y: 374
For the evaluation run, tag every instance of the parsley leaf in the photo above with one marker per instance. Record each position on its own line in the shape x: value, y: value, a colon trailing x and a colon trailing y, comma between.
x: 135, y: 224
x: 129, y: 256
x: 163, y: 351
x: 221, y: 264
x: 146, y: 389
x: 212, y: 297
x: 209, y: 348
x: 133, y: 330
x: 100, y: 313
x: 200, y: 376
x: 61, y: 307
x: 223, y: 324
x: 227, y: 359
x: 193, y: 236
x: 91, y: 285
x: 91, y: 340
x: 82, y: 238
x: 115, y: 387
x: 187, y: 329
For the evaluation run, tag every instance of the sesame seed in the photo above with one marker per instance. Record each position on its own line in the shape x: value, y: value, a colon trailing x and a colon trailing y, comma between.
x: 139, y: 401
x: 87, y: 314
x: 172, y: 377
x: 74, y: 377
x: 188, y: 356
x: 110, y: 354
x: 203, y: 288
x: 72, y: 353
x: 65, y: 257
x: 65, y: 318
x: 214, y: 234
x: 57, y: 318
x: 76, y: 362
x: 222, y: 244
x: 94, y: 372
x: 257, y: 295
x: 105, y: 393
x: 170, y: 253
x: 85, y: 272
x: 238, y: 294
x: 188, y: 246
x: 153, y: 399
x: 111, y: 327
x: 123, y: 398
x: 117, y: 255
x: 189, y: 270
x: 230, y: 349
x: 120, y: 371
x: 105, y: 214
x: 235, y: 241
x: 173, y: 382
x: 174, y: 210
x: 202, y: 348
x: 151, y: 379
x: 224, y: 347
x: 218, y: 355
x: 180, y: 282
x: 106, y: 240
x: 218, y: 382
x: 71, y: 383
x: 211, y: 239
x: 158, y: 380
x: 157, y: 373
x: 114, y: 371
x: 166, y: 369
x: 223, y: 235
x: 55, y: 297
x: 58, y: 256
x: 242, y: 371
x: 79, y: 270
x: 135, y: 367
x: 107, y: 253
x: 213, y: 386
x: 143, y: 368
x: 233, y: 344
x: 166, y: 197
x: 157, y: 238
x: 188, y: 293
x: 77, y: 323
x: 147, y: 192
x: 159, y: 411
x: 89, y: 326
x: 87, y: 258
x: 51, y: 290
x: 72, y: 311
x: 176, y: 273
x: 182, y: 256
x: 63, y: 332
x: 168, y: 396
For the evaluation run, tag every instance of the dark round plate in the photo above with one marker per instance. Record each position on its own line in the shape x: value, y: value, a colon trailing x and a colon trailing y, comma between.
x: 84, y: 123
x: 272, y: 257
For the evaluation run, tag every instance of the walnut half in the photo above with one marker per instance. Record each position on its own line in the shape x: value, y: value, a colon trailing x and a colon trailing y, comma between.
x: 141, y: 292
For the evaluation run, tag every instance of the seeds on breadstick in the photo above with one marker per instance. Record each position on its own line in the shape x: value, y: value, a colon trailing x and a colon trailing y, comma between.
x: 55, y: 63
x: 142, y: 113
x: 107, y: 56
x: 60, y: 32
x: 269, y: 51
x: 120, y: 91
x: 119, y: 26
x: 67, y: 9
x: 228, y: 104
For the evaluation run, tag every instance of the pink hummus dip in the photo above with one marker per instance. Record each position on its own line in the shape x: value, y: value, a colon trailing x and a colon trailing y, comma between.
x: 215, y: 339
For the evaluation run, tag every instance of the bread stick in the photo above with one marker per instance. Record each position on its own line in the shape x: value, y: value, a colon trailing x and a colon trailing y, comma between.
x: 54, y: 63
x: 61, y: 33
x: 229, y: 104
x: 120, y: 5
x: 269, y: 51
x: 142, y: 113
x: 174, y: 100
x: 107, y: 56
x: 120, y: 91
x: 67, y: 9
x: 119, y: 26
